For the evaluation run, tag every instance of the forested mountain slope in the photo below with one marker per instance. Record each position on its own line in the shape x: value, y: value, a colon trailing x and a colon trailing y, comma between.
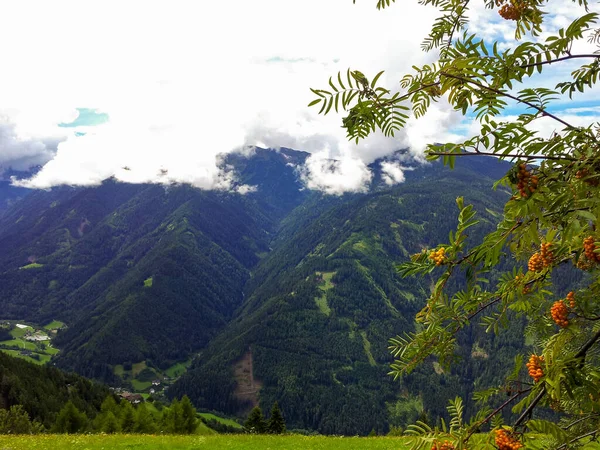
x: 44, y: 390
x: 286, y: 294
x: 321, y: 308
x: 138, y: 272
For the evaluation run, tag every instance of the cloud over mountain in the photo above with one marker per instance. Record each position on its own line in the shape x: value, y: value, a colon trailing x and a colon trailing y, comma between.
x: 184, y: 84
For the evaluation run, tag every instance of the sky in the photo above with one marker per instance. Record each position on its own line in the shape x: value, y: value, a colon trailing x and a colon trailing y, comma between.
x: 147, y: 91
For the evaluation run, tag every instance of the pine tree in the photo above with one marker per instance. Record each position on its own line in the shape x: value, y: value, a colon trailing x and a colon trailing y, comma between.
x: 188, y: 416
x: 276, y: 424
x: 110, y: 424
x: 127, y: 417
x: 70, y: 420
x: 256, y: 422
x: 144, y: 420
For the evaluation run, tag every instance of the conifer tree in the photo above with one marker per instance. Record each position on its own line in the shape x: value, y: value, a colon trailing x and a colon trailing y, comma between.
x: 127, y: 417
x: 144, y: 420
x: 276, y: 423
x: 70, y: 419
x: 189, y: 423
x: 110, y: 424
x: 255, y: 423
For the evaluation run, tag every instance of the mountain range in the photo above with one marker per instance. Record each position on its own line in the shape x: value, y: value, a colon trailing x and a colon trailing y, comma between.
x: 279, y: 294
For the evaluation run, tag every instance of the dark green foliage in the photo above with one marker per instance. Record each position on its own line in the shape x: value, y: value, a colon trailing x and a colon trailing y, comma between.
x: 5, y: 334
x: 255, y: 423
x: 43, y: 390
x: 179, y: 418
x: 70, y: 420
x: 276, y: 423
x: 189, y: 423
x: 16, y: 421
x: 127, y: 417
x: 220, y: 427
x: 110, y: 424
x: 144, y: 420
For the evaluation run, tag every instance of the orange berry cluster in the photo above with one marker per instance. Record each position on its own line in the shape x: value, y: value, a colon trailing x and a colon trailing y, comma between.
x: 527, y: 183
x: 559, y: 313
x: 446, y: 445
x: 583, y: 173
x: 512, y: 10
x: 438, y: 256
x: 588, y: 247
x: 541, y: 259
x: 534, y: 366
x: 571, y: 299
x: 505, y: 441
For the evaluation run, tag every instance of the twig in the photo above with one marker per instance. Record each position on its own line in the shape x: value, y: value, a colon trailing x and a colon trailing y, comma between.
x: 578, y: 438
x: 580, y: 354
x: 505, y: 94
x: 496, y: 411
x: 480, y: 153
x: 564, y: 58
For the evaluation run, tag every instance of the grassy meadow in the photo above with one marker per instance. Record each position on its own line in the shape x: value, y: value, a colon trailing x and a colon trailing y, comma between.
x: 216, y: 442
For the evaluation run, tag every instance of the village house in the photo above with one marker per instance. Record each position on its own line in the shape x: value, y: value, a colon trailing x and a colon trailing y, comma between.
x: 132, y: 398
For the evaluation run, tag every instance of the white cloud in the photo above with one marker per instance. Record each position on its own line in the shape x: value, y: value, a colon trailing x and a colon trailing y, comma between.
x: 21, y: 151
x: 185, y: 81
x: 392, y: 173
x: 347, y: 174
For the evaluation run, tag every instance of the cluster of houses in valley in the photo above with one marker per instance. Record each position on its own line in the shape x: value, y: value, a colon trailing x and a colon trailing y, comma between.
x: 158, y: 388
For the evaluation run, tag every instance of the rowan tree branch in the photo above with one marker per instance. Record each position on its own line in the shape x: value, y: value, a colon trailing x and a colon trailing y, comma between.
x: 580, y: 354
x: 564, y: 58
x: 520, y: 156
x: 506, y: 94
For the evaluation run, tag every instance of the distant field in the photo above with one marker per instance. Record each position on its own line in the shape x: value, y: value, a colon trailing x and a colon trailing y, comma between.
x: 217, y: 442
x: 40, y: 351
x: 224, y: 421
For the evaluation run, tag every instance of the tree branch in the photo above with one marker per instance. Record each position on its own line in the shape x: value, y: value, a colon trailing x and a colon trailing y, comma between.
x: 580, y: 354
x: 505, y: 94
x: 496, y: 411
x: 553, y: 158
x: 578, y: 438
x: 564, y: 58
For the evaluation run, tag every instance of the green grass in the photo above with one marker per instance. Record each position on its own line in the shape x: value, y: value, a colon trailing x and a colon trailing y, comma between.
x: 54, y: 325
x: 367, y: 347
x: 177, y: 370
x: 19, y: 344
x: 118, y: 370
x: 32, y: 266
x: 43, y: 358
x: 17, y: 332
x: 137, y: 368
x: 324, y: 286
x: 140, y: 385
x: 211, y: 442
x: 148, y: 282
x: 224, y: 421
x: 323, y: 305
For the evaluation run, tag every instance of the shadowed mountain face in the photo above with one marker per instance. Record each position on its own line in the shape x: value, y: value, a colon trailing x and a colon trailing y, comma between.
x: 285, y: 294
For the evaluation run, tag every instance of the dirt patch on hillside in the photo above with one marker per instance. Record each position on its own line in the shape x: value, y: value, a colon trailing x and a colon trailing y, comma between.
x: 247, y: 387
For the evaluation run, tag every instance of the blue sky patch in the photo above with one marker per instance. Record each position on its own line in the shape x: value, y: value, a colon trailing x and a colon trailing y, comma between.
x: 87, y: 117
